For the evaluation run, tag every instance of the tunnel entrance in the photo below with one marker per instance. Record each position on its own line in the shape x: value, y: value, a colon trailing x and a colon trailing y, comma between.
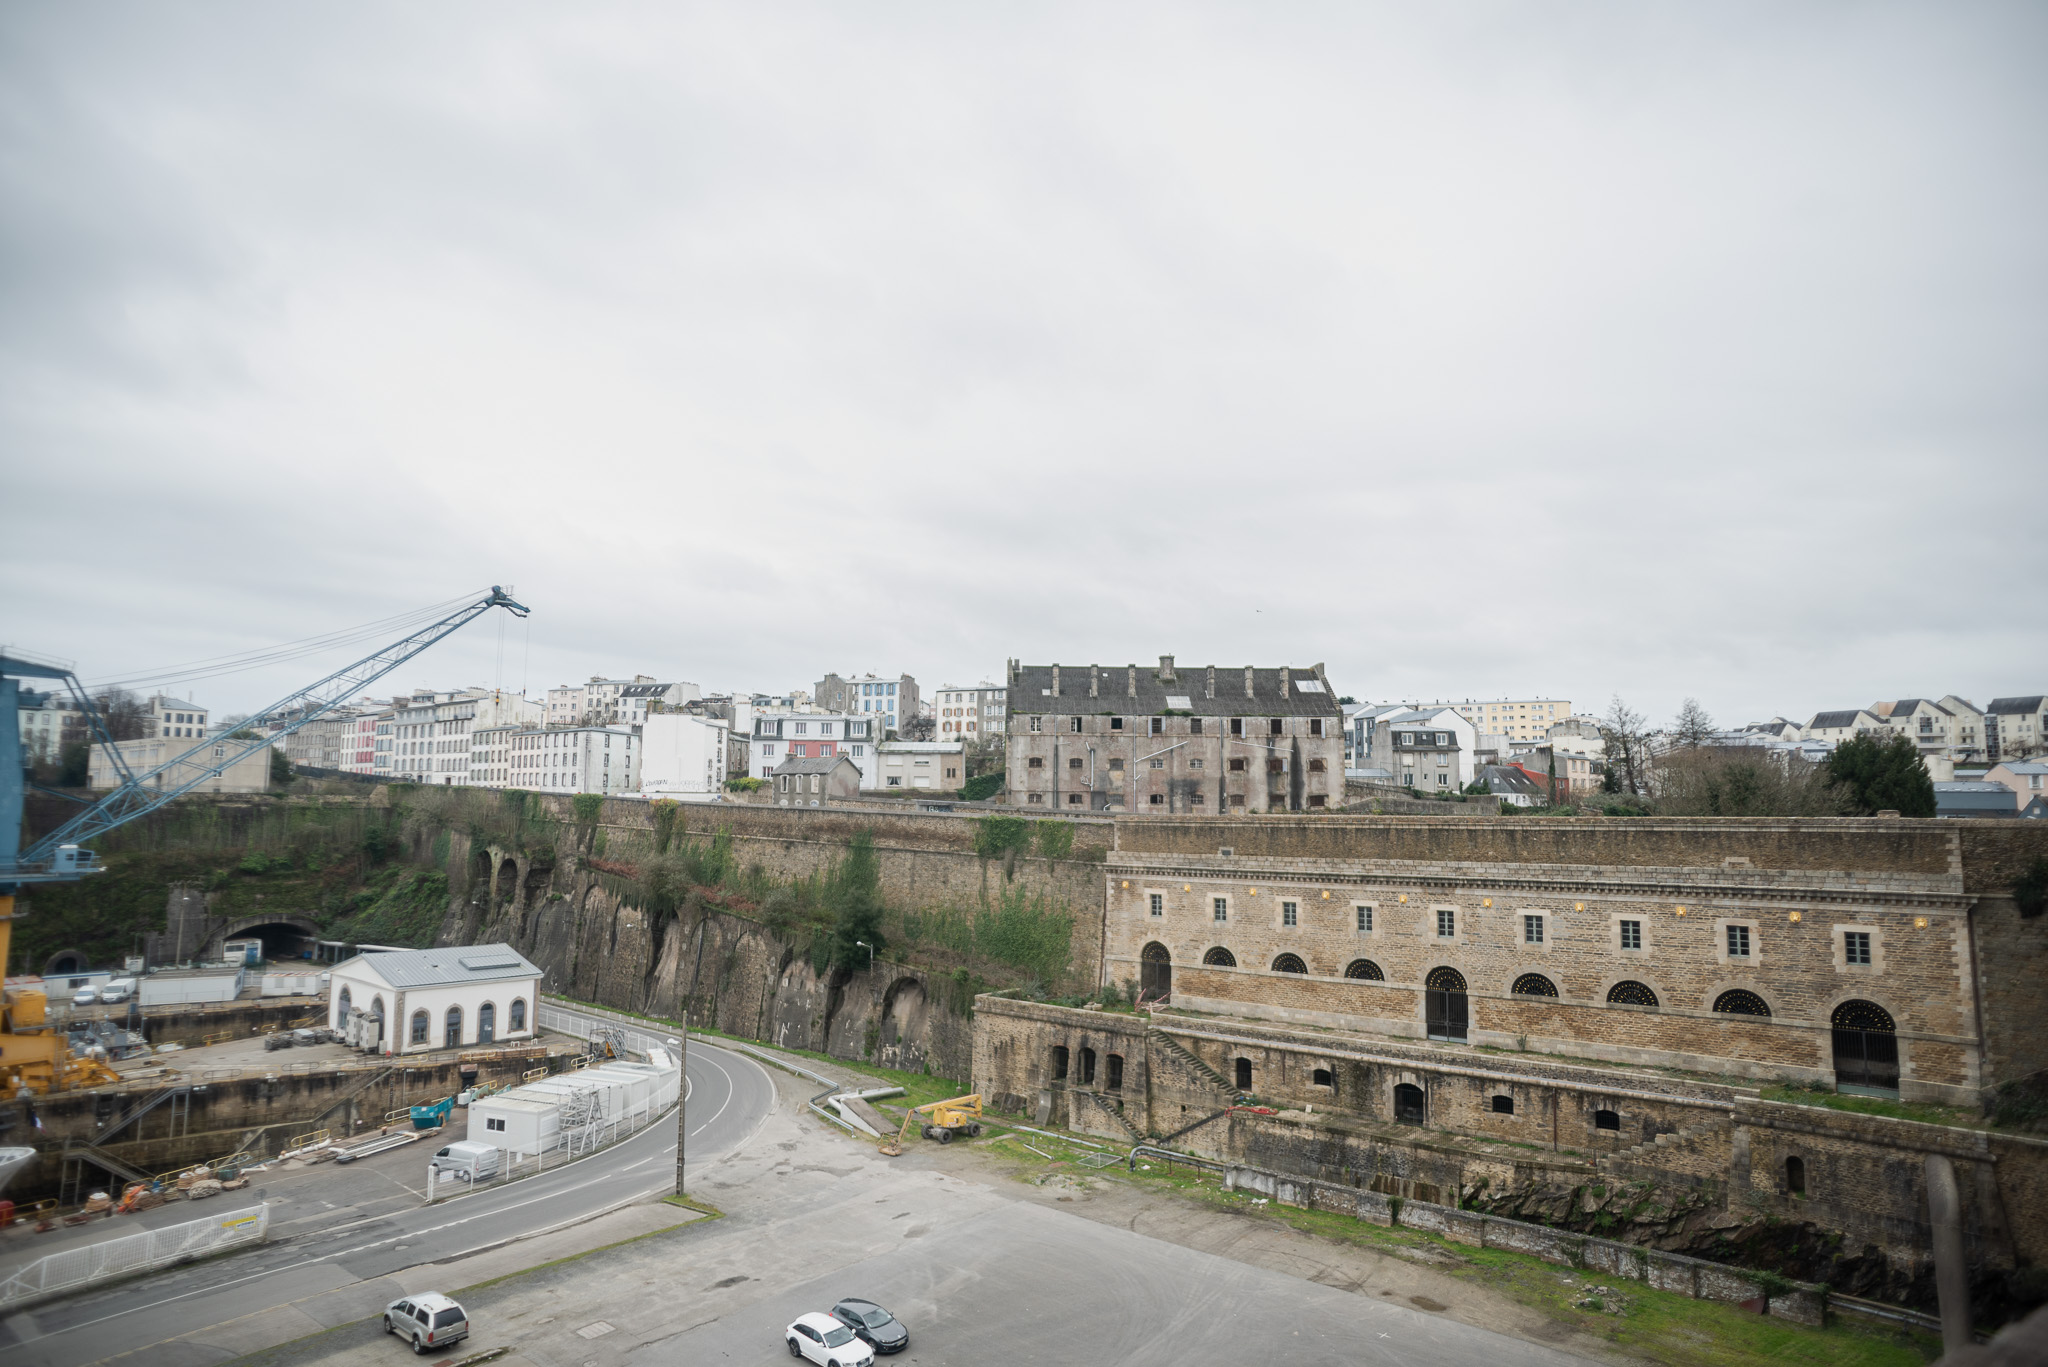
x: 282, y: 940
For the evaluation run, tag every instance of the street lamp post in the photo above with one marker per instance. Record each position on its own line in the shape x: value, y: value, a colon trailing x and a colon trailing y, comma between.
x: 871, y: 953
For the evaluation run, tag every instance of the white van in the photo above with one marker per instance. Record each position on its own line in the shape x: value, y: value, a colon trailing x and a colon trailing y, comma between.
x: 118, y: 990
x: 466, y: 1160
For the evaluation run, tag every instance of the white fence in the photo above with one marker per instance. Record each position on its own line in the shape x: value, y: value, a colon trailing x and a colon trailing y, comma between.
x: 71, y: 1268
x: 590, y: 1120
x: 578, y: 1024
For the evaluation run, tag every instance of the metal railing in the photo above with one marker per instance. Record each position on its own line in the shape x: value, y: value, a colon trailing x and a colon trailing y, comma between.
x: 71, y: 1268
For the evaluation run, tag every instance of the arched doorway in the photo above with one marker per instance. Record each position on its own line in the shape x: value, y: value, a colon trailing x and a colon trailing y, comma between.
x: 1155, y: 972
x: 1411, y: 1107
x: 486, y: 1022
x: 377, y: 1021
x: 1866, y: 1049
x: 1445, y: 1006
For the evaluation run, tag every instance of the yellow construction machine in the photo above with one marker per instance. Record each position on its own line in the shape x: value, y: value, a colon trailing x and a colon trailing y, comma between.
x: 34, y: 1054
x: 960, y: 1115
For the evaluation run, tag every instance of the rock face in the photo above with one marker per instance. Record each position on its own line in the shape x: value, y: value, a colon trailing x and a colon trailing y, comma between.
x: 709, y: 965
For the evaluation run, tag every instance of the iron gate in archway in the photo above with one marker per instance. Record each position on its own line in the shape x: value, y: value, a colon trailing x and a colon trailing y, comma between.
x: 1866, y: 1047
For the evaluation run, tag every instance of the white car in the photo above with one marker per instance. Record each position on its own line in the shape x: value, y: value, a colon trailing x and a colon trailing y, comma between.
x: 824, y: 1339
x: 86, y: 996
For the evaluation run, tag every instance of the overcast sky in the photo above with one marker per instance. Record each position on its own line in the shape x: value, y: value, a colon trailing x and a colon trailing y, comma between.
x: 1473, y: 349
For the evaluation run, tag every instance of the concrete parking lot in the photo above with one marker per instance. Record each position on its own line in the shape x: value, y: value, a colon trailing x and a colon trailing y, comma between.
x: 980, y: 1266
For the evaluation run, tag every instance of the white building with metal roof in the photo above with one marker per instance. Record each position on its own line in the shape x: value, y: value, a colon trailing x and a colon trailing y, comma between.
x: 408, y: 1001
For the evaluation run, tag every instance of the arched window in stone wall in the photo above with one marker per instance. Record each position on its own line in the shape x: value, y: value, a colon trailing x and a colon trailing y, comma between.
x: 516, y: 1020
x: 1534, y: 985
x: 1289, y: 963
x: 1411, y: 1106
x: 453, y: 1037
x: 486, y: 1022
x: 1365, y: 970
x: 1220, y: 957
x: 1740, y: 1002
x: 422, y: 1028
x: 1628, y: 992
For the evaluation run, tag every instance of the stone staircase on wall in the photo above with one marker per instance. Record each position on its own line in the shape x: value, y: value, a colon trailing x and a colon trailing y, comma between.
x: 1652, y: 1152
x: 1116, y: 1116
x: 1193, y: 1063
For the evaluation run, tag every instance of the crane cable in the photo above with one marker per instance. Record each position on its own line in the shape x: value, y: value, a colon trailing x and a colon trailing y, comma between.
x: 222, y: 665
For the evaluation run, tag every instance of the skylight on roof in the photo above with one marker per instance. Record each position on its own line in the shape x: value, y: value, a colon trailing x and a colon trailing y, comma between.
x: 479, y: 962
x: 1180, y: 702
x: 1309, y: 685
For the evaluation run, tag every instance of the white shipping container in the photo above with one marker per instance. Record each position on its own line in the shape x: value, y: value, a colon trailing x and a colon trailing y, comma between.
x: 182, y: 985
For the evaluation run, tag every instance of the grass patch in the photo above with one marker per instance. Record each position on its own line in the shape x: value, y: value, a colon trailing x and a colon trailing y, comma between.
x: 1923, y: 1111
x: 702, y: 1208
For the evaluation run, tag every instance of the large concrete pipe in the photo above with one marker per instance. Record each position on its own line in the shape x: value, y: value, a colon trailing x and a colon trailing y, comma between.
x: 1951, y: 1274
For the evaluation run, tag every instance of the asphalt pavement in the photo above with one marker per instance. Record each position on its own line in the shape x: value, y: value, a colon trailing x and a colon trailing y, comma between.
x: 327, y: 1248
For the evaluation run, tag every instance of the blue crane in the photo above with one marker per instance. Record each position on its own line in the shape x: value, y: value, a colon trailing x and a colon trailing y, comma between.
x: 61, y: 855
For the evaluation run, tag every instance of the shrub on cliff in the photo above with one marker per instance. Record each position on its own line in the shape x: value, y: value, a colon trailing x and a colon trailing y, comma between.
x: 855, y: 895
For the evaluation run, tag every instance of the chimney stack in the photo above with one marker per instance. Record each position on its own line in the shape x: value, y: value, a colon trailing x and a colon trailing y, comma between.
x: 1166, y: 669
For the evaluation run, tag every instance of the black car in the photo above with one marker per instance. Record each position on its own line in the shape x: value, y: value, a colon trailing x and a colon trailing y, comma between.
x: 875, y: 1326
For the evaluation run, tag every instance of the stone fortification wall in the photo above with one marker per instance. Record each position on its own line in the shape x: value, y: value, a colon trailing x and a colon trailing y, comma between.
x: 727, y: 970
x: 1609, y: 939
x: 1679, y: 1163
x: 2011, y: 957
x: 1868, y: 845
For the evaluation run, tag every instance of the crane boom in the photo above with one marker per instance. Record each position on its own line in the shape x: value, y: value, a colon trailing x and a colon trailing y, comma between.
x: 133, y: 795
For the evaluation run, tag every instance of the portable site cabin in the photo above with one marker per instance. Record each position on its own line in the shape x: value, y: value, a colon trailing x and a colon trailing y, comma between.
x: 527, y: 1118
x: 517, y: 1124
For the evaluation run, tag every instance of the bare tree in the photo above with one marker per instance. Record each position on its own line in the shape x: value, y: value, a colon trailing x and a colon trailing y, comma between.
x: 1744, y: 781
x: 1628, y: 746
x: 1693, y: 727
x: 918, y: 728
x: 126, y: 716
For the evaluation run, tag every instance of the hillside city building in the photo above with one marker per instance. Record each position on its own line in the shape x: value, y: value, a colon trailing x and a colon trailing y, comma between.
x: 1228, y: 739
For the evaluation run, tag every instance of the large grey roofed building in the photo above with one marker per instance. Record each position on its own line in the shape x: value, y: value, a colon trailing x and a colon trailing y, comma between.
x: 1146, y: 690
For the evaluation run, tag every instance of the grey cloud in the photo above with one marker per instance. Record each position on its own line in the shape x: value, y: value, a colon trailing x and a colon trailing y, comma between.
x: 1505, y: 349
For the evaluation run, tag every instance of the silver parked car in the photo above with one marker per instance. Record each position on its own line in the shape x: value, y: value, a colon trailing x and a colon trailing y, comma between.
x: 429, y: 1322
